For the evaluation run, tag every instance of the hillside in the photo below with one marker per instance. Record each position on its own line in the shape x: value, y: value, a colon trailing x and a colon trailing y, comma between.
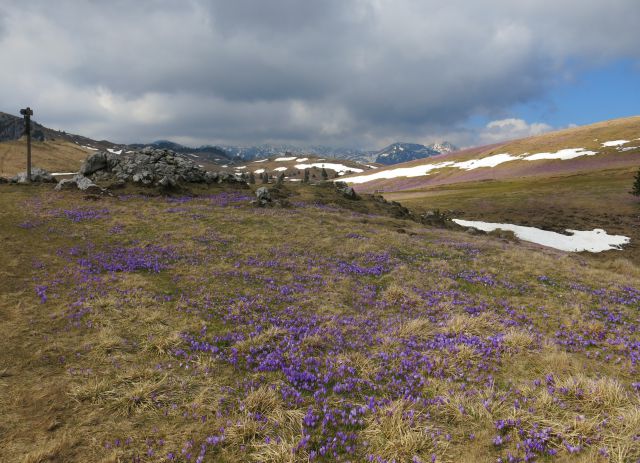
x: 564, y: 152
x: 53, y: 150
x: 293, y: 167
x: 53, y: 155
x: 12, y: 128
x: 576, y: 179
x: 327, y: 331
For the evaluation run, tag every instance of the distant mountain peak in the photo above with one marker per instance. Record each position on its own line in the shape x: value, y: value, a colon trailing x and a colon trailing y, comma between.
x: 399, y: 152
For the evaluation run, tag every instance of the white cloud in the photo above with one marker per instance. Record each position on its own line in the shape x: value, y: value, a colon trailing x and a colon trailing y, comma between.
x: 508, y: 129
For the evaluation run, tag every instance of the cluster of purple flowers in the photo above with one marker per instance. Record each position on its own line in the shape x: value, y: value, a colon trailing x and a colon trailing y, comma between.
x: 345, y: 357
x: 151, y: 258
x: 82, y: 214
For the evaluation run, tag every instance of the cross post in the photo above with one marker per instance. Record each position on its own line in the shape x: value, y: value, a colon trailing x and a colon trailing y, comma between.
x: 27, y: 113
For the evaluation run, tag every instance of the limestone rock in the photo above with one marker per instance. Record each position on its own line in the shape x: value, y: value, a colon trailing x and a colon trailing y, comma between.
x: 80, y: 182
x: 151, y: 166
x: 349, y: 193
x: 167, y: 182
x: 95, y: 162
x: 263, y: 194
x: 66, y: 184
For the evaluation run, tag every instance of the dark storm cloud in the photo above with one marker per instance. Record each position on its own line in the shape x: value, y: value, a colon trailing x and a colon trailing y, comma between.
x: 348, y: 72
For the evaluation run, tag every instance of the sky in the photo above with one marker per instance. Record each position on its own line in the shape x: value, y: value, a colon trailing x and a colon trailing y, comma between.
x: 342, y: 73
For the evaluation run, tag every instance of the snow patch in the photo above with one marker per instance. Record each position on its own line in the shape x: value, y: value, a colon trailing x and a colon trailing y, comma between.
x: 114, y: 151
x: 565, y: 154
x: 240, y: 167
x: 490, y: 161
x: 259, y: 171
x: 302, y: 159
x: 328, y: 165
x: 280, y: 169
x: 261, y: 160
x: 63, y: 173
x: 629, y: 148
x: 285, y: 159
x: 90, y: 148
x: 596, y: 240
x: 415, y: 171
x: 615, y: 143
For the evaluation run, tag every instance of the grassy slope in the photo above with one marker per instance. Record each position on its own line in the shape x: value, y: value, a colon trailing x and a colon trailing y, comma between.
x: 582, y: 194
x: 259, y: 327
x: 598, y: 199
x: 54, y: 156
x: 589, y: 137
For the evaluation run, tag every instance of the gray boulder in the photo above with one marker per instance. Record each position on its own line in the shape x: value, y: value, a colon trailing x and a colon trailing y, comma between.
x: 86, y: 184
x: 346, y: 191
x: 95, y: 162
x: 263, y: 194
x: 66, y: 184
x: 145, y: 177
x: 80, y: 182
x: 349, y: 193
x: 167, y: 182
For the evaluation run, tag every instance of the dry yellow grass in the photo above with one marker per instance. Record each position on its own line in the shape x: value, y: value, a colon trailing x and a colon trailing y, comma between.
x: 54, y: 156
x: 397, y: 437
x: 67, y: 392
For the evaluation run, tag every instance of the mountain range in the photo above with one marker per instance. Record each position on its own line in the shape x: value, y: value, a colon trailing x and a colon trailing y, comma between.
x: 12, y: 128
x: 392, y: 154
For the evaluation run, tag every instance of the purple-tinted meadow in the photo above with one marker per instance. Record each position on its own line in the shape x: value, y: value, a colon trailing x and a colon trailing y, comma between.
x: 198, y: 329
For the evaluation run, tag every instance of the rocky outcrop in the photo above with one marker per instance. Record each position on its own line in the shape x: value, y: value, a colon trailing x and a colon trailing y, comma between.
x: 38, y: 175
x: 346, y: 191
x: 152, y: 167
x: 271, y: 197
x: 263, y: 197
x: 97, y: 161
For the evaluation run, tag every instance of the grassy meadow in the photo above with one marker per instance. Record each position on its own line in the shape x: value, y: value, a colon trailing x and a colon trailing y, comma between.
x: 140, y: 328
x: 620, y: 158
x: 582, y: 201
x: 53, y: 156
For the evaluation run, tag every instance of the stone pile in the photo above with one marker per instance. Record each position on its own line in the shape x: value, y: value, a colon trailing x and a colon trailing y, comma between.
x: 152, y: 167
